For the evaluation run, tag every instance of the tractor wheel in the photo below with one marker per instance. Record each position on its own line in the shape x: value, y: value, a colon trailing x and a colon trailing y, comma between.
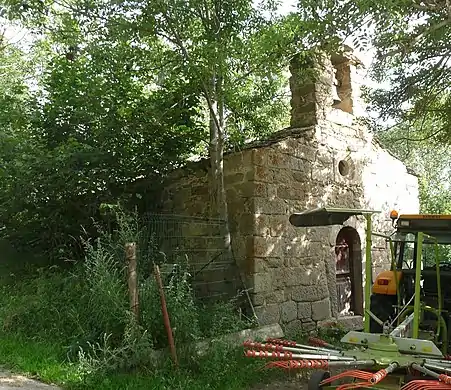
x: 382, y: 307
x: 316, y: 378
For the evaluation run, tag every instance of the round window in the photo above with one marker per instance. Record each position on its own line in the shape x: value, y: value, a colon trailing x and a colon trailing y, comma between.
x: 343, y: 168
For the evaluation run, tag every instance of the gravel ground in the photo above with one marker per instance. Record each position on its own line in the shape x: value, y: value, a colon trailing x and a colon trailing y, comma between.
x: 9, y: 381
x: 290, y: 384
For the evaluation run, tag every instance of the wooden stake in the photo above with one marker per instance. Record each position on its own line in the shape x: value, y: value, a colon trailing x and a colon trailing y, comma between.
x: 167, y: 323
x: 130, y: 257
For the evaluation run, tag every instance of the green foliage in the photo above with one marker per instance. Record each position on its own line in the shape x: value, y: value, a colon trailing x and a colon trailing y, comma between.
x: 223, y: 368
x: 13, y: 112
x: 181, y: 305
x: 409, y: 40
x: 429, y: 158
x: 87, y: 309
x: 94, y: 133
x: 106, y: 291
x: 222, y: 47
x: 217, y: 318
x: 119, y: 99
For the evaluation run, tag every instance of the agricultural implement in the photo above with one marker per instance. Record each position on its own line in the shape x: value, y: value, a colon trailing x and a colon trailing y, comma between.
x: 394, y: 352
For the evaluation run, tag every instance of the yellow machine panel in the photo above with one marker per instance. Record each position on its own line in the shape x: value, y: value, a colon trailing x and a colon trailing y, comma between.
x: 385, y: 283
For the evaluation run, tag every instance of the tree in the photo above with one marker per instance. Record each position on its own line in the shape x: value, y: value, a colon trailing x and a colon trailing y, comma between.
x: 123, y: 92
x: 96, y: 123
x: 218, y: 44
x: 222, y: 46
x: 218, y: 47
x: 410, y: 39
x: 429, y: 158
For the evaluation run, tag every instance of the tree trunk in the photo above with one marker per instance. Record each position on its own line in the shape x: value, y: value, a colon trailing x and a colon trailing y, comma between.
x: 217, y: 157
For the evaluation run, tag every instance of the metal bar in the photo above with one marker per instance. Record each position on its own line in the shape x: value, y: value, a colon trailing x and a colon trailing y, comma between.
x: 373, y: 316
x: 395, y: 271
x: 425, y: 371
x: 398, y: 331
x: 355, y: 363
x: 290, y: 355
x: 439, y: 288
x: 275, y: 347
x: 326, y: 350
x: 403, y: 309
x: 319, y: 364
x: 380, y: 235
x: 368, y: 272
x: 321, y: 351
x: 322, y: 345
x: 441, y: 362
x: 417, y: 302
x: 438, y: 367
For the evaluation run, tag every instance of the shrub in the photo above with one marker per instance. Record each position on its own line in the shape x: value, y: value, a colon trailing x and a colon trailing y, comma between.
x: 220, y: 318
x: 87, y: 309
x: 41, y: 306
x: 184, y: 314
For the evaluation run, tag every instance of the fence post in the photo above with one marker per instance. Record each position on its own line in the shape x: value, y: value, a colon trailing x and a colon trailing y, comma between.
x: 164, y: 309
x: 130, y: 257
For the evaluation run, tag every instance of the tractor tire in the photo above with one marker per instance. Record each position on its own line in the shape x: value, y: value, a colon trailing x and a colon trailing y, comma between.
x: 316, y: 378
x: 382, y: 307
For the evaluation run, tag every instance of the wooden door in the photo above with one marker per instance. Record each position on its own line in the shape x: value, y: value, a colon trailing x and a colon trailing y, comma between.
x: 344, y: 277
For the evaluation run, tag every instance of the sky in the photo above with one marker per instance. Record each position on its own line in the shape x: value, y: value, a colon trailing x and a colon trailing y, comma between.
x: 12, y: 33
x: 20, y: 35
x: 366, y: 57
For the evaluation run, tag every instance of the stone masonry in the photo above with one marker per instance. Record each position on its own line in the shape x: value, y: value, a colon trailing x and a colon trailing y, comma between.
x: 326, y: 158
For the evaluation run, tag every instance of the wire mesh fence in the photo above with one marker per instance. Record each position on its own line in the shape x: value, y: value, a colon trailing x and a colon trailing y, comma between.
x: 174, y: 240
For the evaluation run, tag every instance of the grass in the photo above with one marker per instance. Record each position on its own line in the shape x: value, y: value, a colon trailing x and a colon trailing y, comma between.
x: 223, y: 368
x: 40, y: 360
x: 71, y: 326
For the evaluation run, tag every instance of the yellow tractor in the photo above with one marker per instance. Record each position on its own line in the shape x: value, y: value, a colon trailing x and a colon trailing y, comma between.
x: 406, y: 307
x: 397, y: 288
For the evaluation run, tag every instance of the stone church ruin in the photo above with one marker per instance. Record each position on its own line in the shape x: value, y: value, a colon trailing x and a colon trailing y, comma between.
x: 326, y: 158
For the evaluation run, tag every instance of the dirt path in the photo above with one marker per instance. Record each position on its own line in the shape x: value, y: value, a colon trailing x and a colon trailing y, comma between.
x: 289, y: 384
x: 10, y: 381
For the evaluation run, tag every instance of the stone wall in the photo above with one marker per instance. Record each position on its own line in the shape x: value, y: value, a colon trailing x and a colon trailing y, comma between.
x: 326, y: 159
x: 287, y: 268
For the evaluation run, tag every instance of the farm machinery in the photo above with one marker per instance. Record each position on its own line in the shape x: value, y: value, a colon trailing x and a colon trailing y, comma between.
x: 405, y: 338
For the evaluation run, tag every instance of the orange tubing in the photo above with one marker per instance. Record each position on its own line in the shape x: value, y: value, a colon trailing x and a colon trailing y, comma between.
x: 296, y: 364
x: 286, y: 343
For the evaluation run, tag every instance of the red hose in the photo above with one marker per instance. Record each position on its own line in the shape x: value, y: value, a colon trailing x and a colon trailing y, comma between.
x: 286, y: 343
x: 267, y: 354
x: 378, y: 376
x: 317, y: 342
x: 445, y: 379
x: 297, y: 364
x: 261, y: 346
x: 425, y: 385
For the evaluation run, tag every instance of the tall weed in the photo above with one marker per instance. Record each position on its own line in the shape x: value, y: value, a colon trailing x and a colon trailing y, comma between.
x: 87, y: 307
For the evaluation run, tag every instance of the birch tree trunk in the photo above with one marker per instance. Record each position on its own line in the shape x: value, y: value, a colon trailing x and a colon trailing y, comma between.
x: 217, y: 141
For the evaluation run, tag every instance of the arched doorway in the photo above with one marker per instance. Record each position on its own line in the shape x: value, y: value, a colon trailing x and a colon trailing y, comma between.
x: 348, y: 256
